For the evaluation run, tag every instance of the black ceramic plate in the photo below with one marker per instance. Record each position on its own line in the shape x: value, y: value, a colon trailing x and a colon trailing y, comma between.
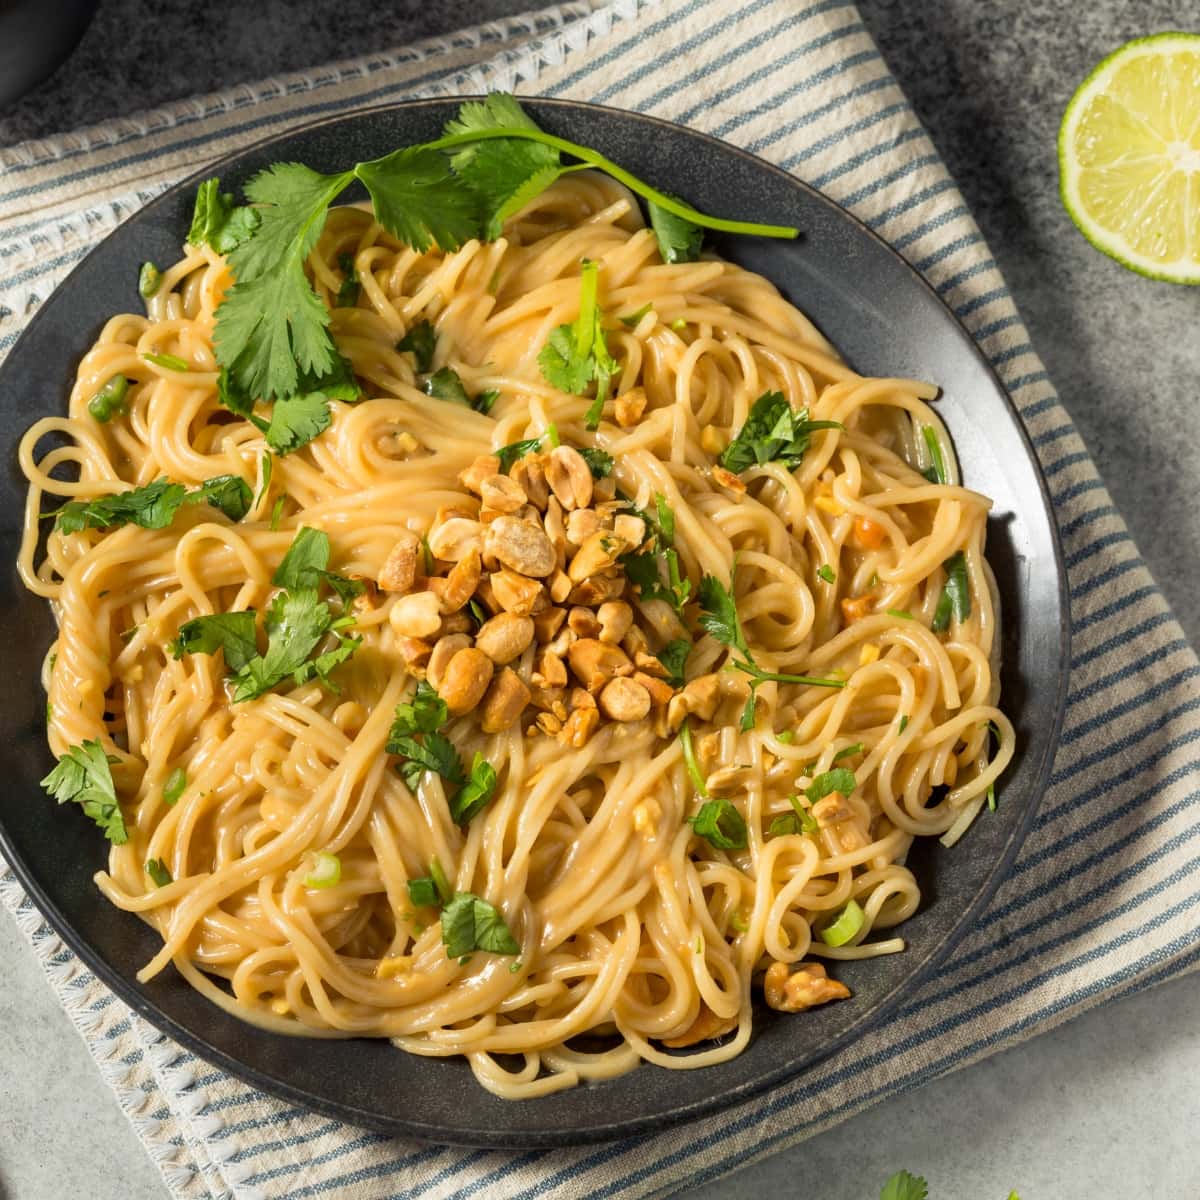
x: 885, y: 320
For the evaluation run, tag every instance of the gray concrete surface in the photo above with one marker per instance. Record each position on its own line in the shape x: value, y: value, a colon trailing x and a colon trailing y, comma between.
x: 1103, y: 1106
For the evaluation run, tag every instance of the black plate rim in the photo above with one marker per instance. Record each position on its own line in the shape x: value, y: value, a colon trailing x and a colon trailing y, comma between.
x: 871, y: 1016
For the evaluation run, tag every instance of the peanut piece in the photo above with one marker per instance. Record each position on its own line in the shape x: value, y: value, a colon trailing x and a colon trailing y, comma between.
x: 616, y: 618
x: 582, y: 622
x: 569, y: 477
x: 806, y: 987
x: 624, y: 700
x: 629, y: 406
x: 455, y: 539
x: 445, y: 649
x: 548, y: 622
x: 502, y: 494
x: 701, y: 696
x: 529, y: 474
x: 595, y: 663
x: 521, y: 546
x: 581, y: 524
x: 400, y: 568
x: 630, y: 528
x: 661, y: 692
x: 515, y: 593
x: 505, y: 637
x: 579, y: 727
x: 478, y: 471
x: 505, y: 701
x: 417, y: 615
x: 466, y: 678
x: 459, y: 586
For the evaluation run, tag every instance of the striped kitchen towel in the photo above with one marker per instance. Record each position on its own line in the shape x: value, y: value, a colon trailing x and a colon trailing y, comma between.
x: 1103, y: 899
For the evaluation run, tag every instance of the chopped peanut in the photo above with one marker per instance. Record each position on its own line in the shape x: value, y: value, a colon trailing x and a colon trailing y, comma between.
x: 629, y: 407
x: 521, y: 546
x: 624, y: 699
x: 615, y: 620
x: 445, y: 649
x: 417, y: 615
x: 630, y: 529
x: 457, y: 588
x: 598, y: 553
x: 530, y: 474
x: 415, y: 653
x: 579, y: 727
x: 549, y: 670
x: 505, y: 637
x: 581, y: 524
x: 548, y: 622
x: 701, y: 697
x: 595, y: 663
x: 478, y: 471
x: 727, y: 479
x: 660, y: 690
x: 515, y: 593
x: 569, y: 477
x: 597, y: 589
x: 465, y: 680
x: 400, y: 568
x: 505, y: 701
x: 806, y: 987
x: 583, y: 622
x: 502, y: 494
x: 455, y: 539
x: 560, y: 586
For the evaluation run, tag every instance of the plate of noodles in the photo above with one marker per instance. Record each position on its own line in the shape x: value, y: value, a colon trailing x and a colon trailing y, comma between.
x: 550, y: 624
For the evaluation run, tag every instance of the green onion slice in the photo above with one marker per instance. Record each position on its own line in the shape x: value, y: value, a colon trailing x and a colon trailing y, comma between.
x: 328, y: 871
x: 845, y: 925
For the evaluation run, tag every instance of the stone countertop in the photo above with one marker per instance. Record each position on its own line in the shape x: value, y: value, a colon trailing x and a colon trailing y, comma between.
x: 990, y: 82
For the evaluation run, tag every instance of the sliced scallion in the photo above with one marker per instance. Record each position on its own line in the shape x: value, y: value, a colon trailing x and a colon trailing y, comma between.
x: 328, y: 871
x: 845, y: 925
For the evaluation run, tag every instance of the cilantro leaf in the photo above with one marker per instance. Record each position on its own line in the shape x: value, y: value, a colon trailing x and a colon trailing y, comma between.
x: 151, y: 507
x: 469, y: 923
x: 420, y: 200
x: 577, y: 354
x: 506, y: 173
x: 773, y: 432
x: 434, y: 752
x: 679, y: 241
x: 296, y: 420
x: 271, y: 325
x: 477, y: 793
x: 305, y: 560
x: 296, y: 622
x: 218, y: 222
x: 514, y: 450
x: 425, y: 712
x: 840, y: 779
x: 420, y: 341
x: 322, y: 665
x: 719, y: 615
x: 720, y: 824
x: 445, y: 384
x: 423, y: 893
x: 599, y: 462
x: 903, y: 1186
x: 232, y: 633
x: 229, y: 493
x: 83, y: 777
x: 674, y: 656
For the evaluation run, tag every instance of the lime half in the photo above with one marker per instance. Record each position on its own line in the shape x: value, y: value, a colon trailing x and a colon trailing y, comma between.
x: 1129, y: 156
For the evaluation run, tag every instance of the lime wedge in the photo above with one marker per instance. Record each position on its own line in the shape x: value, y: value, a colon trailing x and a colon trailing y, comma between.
x: 1129, y: 157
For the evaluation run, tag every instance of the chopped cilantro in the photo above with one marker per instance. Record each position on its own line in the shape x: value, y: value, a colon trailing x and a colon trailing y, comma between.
x: 217, y: 221
x: 83, y: 777
x: 679, y: 240
x: 158, y: 871
x: 720, y: 824
x: 826, y: 573
x: 420, y: 341
x: 469, y: 923
x: 773, y: 432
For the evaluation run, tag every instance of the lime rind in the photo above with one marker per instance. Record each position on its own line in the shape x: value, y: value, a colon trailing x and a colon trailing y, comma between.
x: 1104, y: 240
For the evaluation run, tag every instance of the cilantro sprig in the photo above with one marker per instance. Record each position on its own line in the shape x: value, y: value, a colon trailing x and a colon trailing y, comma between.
x: 719, y: 617
x: 468, y: 921
x: 298, y: 621
x: 416, y: 738
x: 576, y: 354
x: 773, y: 432
x: 272, y: 333
x: 154, y: 505
x: 956, y: 594
x: 83, y: 777
x: 655, y: 570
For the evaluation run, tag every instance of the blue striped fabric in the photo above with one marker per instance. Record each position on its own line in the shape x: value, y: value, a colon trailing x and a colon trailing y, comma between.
x: 1103, y: 899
